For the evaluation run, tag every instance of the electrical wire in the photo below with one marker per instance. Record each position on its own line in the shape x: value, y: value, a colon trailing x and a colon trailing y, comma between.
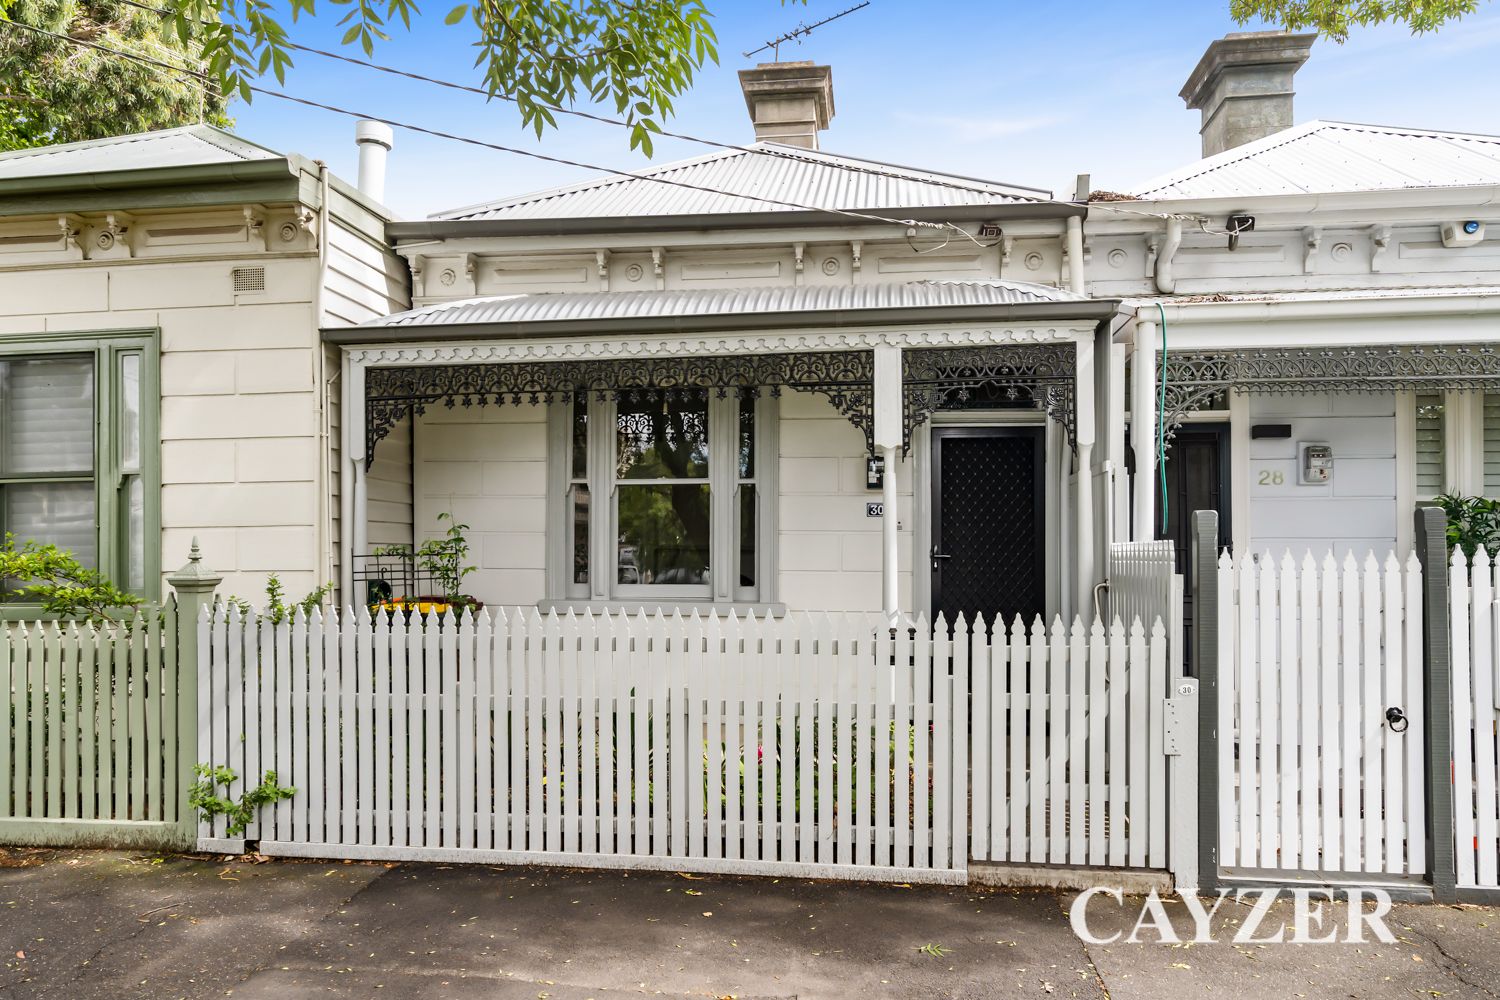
x: 202, y: 80
x: 728, y: 146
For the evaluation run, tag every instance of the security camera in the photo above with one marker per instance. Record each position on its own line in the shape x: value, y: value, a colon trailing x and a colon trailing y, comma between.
x: 1463, y: 234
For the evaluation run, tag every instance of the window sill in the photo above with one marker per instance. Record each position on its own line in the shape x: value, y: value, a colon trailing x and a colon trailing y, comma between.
x: 665, y: 605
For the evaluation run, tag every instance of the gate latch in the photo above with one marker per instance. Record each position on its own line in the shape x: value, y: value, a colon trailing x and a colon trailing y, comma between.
x: 1396, y: 719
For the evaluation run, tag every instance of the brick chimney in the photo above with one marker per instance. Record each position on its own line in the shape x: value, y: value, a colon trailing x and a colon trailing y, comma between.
x: 1243, y: 86
x: 789, y: 102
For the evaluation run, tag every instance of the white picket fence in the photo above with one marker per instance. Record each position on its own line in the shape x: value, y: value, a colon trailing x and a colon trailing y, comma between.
x: 1069, y: 766
x: 810, y: 745
x: 1313, y: 777
x: 1475, y: 628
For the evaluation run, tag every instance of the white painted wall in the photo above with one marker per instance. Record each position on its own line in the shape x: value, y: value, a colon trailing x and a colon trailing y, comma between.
x: 829, y: 552
x: 488, y: 466
x: 1357, y: 511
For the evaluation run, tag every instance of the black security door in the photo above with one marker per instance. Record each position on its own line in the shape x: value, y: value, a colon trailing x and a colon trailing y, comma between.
x: 988, y: 522
x: 1196, y: 477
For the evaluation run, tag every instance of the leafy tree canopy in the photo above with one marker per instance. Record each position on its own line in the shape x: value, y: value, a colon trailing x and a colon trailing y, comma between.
x: 1334, y: 18
x: 638, y: 56
x: 54, y: 91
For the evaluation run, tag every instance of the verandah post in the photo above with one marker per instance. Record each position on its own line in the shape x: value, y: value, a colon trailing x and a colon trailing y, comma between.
x: 1205, y: 584
x: 194, y: 585
x: 1437, y: 693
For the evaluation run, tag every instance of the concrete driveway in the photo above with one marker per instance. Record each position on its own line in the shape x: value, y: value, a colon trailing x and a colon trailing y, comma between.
x: 110, y: 924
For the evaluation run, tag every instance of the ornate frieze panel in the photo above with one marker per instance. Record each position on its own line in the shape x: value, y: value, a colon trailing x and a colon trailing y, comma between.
x: 392, y: 394
x: 1193, y: 378
x: 1041, y: 375
x: 951, y: 378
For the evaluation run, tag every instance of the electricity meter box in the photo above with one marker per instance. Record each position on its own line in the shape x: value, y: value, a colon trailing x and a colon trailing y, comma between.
x: 1314, y: 463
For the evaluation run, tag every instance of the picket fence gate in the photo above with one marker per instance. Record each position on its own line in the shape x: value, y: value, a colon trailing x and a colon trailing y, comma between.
x: 1069, y: 763
x: 90, y: 748
x: 1317, y: 778
x: 810, y: 744
x: 1475, y: 627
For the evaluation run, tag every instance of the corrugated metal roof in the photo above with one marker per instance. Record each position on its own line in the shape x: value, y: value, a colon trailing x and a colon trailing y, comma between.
x: 1323, y: 157
x: 562, y: 307
x: 812, y: 178
x: 189, y: 145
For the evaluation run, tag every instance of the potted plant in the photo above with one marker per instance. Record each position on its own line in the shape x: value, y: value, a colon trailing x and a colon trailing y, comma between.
x: 443, y: 562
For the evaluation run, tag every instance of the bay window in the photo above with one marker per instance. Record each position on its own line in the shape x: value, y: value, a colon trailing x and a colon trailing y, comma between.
x: 77, y: 452
x: 661, y: 497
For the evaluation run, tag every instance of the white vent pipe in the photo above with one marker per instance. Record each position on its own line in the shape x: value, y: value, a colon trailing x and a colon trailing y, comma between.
x: 374, y: 140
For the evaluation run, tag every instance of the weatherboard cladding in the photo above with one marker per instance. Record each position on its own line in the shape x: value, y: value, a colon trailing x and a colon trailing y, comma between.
x: 785, y: 175
x: 1322, y: 157
x: 191, y: 145
x: 581, y: 306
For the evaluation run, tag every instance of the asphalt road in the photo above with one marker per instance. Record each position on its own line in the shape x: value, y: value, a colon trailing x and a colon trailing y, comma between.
x: 82, y: 925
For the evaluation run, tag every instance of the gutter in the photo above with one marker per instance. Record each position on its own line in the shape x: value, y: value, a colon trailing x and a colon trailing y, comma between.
x: 440, y: 229
x: 116, y: 180
x: 1091, y: 311
x: 1275, y: 310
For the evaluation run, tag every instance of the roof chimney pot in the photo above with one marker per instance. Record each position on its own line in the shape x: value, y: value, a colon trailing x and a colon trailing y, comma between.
x: 789, y: 102
x: 1243, y: 86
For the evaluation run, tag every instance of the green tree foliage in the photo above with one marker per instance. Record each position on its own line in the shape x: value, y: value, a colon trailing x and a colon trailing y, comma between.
x: 1334, y: 18
x: 54, y: 91
x: 62, y: 585
x: 636, y: 55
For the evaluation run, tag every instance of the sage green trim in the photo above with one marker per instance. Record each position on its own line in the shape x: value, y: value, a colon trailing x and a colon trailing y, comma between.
x: 197, y: 186
x: 158, y: 836
x: 107, y: 347
x: 111, y: 180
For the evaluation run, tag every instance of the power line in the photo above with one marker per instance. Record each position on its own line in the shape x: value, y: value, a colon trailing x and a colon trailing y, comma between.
x: 202, y: 80
x: 616, y: 122
x: 888, y: 173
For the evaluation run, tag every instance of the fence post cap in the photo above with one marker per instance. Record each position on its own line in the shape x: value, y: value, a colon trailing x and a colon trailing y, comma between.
x: 194, y: 577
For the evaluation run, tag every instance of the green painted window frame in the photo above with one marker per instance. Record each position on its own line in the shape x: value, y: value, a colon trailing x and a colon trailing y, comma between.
x: 108, y: 347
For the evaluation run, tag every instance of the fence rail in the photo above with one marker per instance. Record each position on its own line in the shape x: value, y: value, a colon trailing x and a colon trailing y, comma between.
x: 90, y: 749
x: 809, y: 744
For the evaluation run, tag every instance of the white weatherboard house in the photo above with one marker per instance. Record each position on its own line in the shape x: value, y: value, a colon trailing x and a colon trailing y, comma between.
x: 1332, y: 366
x: 161, y: 372
x: 639, y: 394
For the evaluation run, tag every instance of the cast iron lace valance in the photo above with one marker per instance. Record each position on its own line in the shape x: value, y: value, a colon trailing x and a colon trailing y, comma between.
x: 1194, y: 379
x: 935, y: 378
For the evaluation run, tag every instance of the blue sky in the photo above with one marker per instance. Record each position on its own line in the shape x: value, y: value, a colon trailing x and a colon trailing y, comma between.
x: 1033, y: 93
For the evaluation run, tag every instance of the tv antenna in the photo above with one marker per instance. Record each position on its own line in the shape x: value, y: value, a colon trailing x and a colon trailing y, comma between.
x: 801, y: 30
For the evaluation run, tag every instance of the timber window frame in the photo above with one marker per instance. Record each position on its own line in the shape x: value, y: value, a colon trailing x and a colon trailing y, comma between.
x: 126, y: 474
x: 737, y: 490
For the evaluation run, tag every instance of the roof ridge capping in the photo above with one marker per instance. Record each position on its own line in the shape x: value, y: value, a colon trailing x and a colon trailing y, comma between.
x: 1469, y: 150
x: 745, y: 185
